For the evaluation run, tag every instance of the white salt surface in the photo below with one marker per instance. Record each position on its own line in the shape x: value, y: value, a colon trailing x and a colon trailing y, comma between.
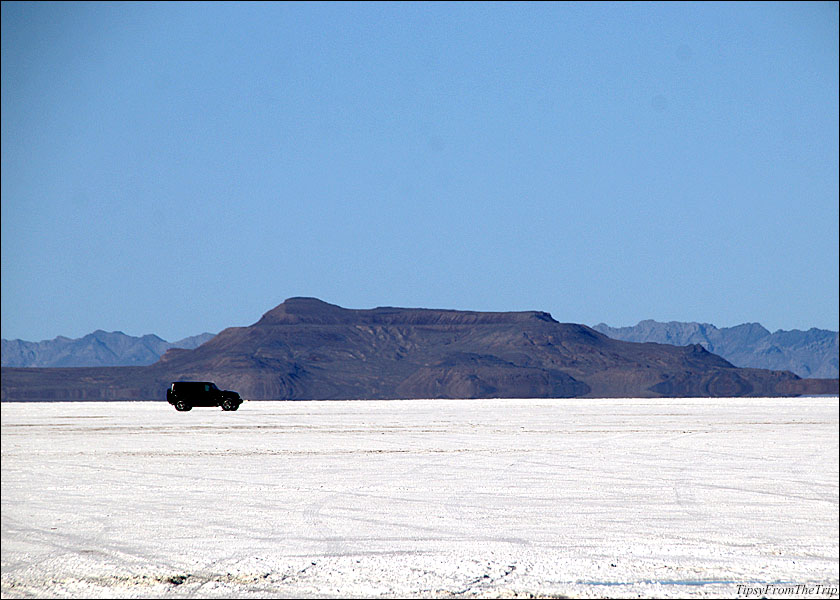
x: 446, y: 498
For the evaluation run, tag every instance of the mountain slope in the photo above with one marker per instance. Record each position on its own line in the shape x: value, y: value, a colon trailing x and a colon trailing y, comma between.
x: 308, y: 349
x: 812, y: 353
x: 97, y: 349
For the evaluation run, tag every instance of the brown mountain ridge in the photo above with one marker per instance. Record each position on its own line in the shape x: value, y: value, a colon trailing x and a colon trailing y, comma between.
x: 307, y: 349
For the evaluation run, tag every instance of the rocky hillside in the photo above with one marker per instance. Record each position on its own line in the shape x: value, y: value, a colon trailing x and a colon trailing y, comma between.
x: 97, y: 349
x: 812, y: 353
x: 308, y: 349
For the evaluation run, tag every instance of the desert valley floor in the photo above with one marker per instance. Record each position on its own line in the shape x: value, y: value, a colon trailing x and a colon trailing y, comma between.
x: 421, y: 498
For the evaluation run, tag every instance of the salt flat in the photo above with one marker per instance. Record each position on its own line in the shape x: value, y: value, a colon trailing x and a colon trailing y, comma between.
x: 444, y: 498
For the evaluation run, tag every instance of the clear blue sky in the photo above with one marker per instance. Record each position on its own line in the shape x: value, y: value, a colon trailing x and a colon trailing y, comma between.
x: 180, y: 168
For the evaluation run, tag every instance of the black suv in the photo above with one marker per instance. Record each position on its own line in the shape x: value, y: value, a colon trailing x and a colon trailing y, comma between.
x: 183, y: 395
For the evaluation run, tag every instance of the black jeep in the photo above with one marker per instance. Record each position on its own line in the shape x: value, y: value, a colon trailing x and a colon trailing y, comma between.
x: 183, y: 395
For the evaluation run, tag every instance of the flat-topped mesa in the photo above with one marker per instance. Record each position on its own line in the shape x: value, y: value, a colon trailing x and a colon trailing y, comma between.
x: 307, y: 349
x: 313, y: 311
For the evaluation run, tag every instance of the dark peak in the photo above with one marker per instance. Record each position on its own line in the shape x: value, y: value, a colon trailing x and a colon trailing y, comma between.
x: 303, y: 310
x: 306, y: 305
x: 302, y: 301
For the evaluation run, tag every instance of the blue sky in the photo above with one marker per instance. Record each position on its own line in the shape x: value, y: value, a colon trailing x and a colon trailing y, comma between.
x: 179, y: 168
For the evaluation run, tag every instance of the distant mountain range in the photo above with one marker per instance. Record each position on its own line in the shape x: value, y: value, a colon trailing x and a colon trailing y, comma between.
x: 97, y: 349
x: 809, y: 354
x: 812, y: 353
x: 307, y: 349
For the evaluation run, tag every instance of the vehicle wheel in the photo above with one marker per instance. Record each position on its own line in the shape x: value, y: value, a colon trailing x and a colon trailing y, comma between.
x: 228, y: 405
x: 182, y: 406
